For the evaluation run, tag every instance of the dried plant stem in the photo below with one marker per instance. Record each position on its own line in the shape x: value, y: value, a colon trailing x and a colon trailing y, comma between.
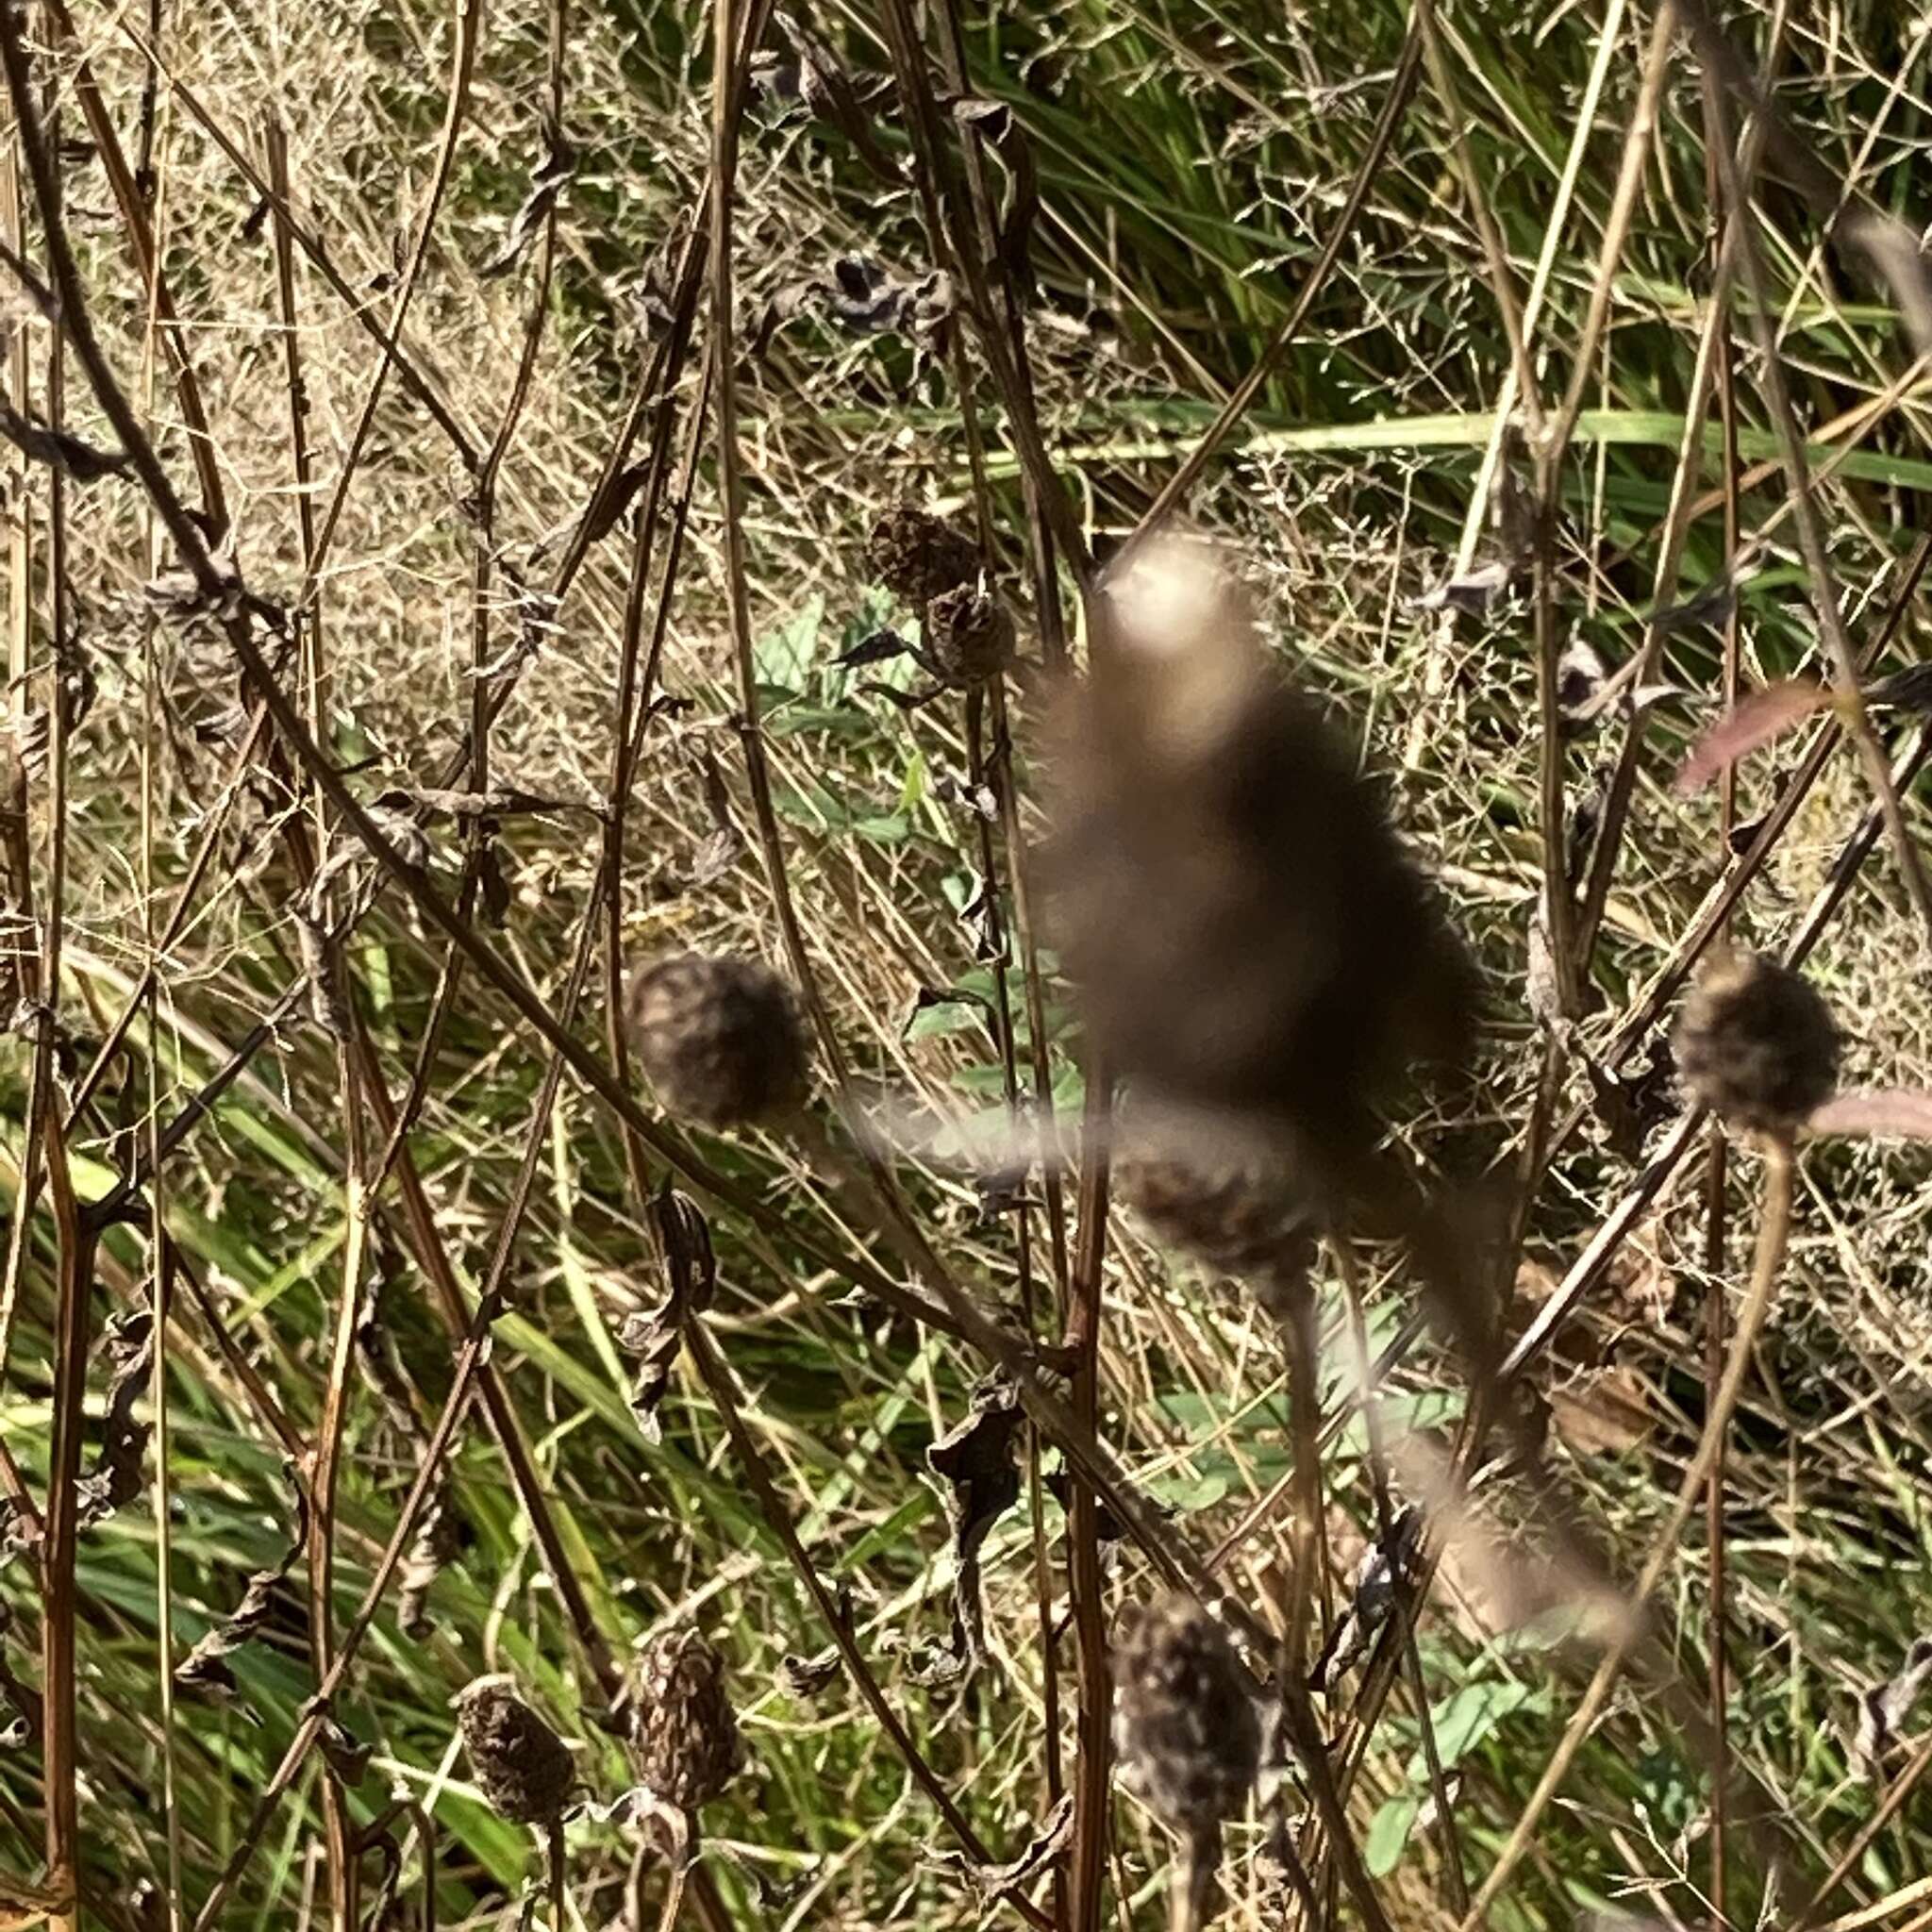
x: 1810, y: 531
x: 1717, y: 1170
x: 717, y: 1379
x: 1364, y: 1370
x: 1773, y: 1234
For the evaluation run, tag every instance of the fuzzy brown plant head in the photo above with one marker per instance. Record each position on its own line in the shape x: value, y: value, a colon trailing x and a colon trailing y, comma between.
x: 1186, y: 1725
x: 519, y: 1764
x: 682, y: 1722
x: 1755, y: 1043
x: 969, y: 637
x: 1245, y: 932
x: 918, y: 557
x: 1240, y: 1202
x: 719, y: 1039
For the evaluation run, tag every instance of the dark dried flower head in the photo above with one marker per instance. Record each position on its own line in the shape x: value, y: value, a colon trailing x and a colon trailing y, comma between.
x: 1243, y: 927
x: 969, y: 637
x: 520, y: 1764
x: 682, y: 1721
x: 1238, y: 1202
x: 718, y: 1037
x: 1755, y: 1043
x: 1184, y: 1725
x: 918, y: 557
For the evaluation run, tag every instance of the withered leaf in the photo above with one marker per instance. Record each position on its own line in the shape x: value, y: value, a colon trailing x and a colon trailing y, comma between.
x: 610, y: 504
x: 1044, y: 1850
x: 498, y: 802
x: 492, y: 887
x: 1385, y: 1568
x: 348, y: 1755
x: 115, y: 1478
x: 205, y: 1670
x: 1473, y: 589
x: 1752, y: 722
x: 904, y: 700
x: 949, y: 788
x: 1883, y: 1711
x: 875, y: 648
x: 805, y: 1676
x: 438, y: 1533
x: 929, y: 998
x: 978, y: 1483
x: 869, y: 299
x: 1603, y: 1411
x: 546, y: 183
x: 1902, y: 1113
x: 655, y: 1335
x: 68, y: 454
x: 1580, y: 675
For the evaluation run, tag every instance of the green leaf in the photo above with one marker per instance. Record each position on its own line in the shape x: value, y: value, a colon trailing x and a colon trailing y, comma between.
x: 1389, y: 1833
x: 783, y: 657
x: 1468, y: 1716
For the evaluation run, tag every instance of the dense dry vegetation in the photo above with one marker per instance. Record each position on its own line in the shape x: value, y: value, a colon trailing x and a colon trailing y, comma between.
x: 369, y: 1325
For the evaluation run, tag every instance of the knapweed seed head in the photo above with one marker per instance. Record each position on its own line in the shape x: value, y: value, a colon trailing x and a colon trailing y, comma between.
x: 719, y: 1038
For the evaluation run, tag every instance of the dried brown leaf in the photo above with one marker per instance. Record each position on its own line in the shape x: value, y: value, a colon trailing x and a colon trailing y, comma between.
x: 1752, y: 722
x: 1902, y: 1113
x: 978, y: 1484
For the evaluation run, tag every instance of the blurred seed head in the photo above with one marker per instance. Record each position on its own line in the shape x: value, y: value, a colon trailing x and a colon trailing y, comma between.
x: 1245, y: 932
x: 682, y: 1721
x: 519, y: 1764
x: 969, y: 637
x: 719, y: 1038
x: 1755, y: 1043
x: 1238, y: 1202
x: 918, y: 557
x: 1184, y: 1723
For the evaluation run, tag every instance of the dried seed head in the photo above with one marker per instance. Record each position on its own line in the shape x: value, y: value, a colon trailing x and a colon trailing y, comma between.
x: 1238, y: 1201
x: 969, y: 637
x: 1244, y: 929
x: 520, y: 1764
x: 1755, y: 1043
x: 682, y: 1721
x: 719, y: 1038
x: 918, y: 557
x: 1185, y: 1725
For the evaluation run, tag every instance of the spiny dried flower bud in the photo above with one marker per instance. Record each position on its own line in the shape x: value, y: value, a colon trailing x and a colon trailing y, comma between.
x: 917, y: 556
x: 682, y: 1721
x: 520, y: 1764
x: 969, y: 637
x: 1235, y: 1201
x: 719, y: 1038
x: 1755, y: 1043
x: 1184, y: 1723
x: 1244, y: 929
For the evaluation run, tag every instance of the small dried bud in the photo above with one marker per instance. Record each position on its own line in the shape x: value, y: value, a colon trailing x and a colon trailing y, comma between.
x: 918, y: 557
x: 1185, y: 1723
x: 1231, y: 1200
x: 969, y: 637
x: 521, y: 1765
x: 682, y: 1721
x: 719, y: 1038
x: 1245, y: 932
x: 1755, y: 1043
